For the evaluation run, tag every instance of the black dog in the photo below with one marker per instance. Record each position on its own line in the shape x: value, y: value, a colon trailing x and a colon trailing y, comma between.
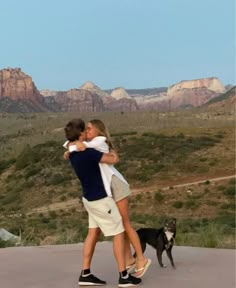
x: 160, y: 239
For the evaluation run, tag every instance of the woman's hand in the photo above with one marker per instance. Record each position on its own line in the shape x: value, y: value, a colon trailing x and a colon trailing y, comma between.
x: 66, y: 155
x: 80, y: 146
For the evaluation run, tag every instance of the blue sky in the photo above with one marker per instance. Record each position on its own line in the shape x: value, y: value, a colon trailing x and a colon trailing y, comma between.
x: 130, y: 43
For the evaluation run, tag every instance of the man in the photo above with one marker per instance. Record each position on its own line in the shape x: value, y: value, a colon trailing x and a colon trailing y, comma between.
x: 102, y: 211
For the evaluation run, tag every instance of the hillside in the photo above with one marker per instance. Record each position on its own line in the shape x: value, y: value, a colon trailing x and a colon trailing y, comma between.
x: 40, y: 195
x: 226, y: 100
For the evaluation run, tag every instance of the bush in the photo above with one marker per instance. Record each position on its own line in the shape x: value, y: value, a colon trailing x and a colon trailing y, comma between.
x: 178, y: 204
x: 56, y: 179
x: 52, y: 214
x: 232, y: 181
x: 230, y: 206
x: 4, y: 164
x: 32, y: 170
x: 26, y: 158
x: 124, y: 133
x: 191, y: 204
x: 45, y: 220
x: 158, y: 197
x: 4, y: 244
x: 230, y: 191
x: 138, y: 197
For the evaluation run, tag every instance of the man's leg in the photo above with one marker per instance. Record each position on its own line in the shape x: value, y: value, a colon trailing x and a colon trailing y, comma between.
x: 125, y: 279
x: 89, y: 246
x: 86, y: 278
x: 119, y: 251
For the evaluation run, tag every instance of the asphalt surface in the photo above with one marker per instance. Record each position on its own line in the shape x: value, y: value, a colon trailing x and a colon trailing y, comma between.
x: 59, y: 267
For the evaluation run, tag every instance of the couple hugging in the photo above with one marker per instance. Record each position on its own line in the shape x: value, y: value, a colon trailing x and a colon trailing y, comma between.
x: 105, y: 197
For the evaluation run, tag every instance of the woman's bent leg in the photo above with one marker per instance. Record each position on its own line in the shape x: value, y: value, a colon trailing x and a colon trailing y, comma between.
x: 123, y: 206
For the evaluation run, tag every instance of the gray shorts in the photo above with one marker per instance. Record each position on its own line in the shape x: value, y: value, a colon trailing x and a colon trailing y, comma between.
x: 104, y: 214
x: 119, y: 189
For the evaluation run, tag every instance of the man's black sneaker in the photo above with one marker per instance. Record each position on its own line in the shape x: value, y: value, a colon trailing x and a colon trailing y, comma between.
x: 90, y: 280
x: 129, y: 282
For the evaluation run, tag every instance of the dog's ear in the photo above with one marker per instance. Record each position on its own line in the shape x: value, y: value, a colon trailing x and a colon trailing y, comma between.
x: 174, y: 220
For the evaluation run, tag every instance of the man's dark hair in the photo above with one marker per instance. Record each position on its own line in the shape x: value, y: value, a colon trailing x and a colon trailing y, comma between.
x: 74, y: 128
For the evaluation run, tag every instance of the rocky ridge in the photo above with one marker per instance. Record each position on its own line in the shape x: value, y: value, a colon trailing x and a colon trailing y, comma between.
x: 18, y: 90
x: 16, y: 86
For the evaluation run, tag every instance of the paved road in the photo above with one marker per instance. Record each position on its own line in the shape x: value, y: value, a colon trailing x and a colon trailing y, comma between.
x: 59, y: 266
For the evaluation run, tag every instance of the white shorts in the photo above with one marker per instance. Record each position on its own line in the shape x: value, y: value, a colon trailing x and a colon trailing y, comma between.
x: 104, y: 214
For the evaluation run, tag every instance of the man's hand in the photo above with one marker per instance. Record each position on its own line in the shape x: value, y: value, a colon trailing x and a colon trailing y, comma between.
x: 66, y: 155
x: 115, y: 155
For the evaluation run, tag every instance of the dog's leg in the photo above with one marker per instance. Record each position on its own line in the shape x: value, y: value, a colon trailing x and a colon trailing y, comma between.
x: 159, y: 257
x: 143, y: 246
x: 169, y: 254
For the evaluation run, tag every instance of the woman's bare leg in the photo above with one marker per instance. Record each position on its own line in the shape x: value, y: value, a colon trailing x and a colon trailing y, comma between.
x: 123, y: 206
x: 129, y: 259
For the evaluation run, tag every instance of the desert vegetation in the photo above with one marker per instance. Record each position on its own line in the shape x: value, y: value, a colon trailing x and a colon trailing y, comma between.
x: 40, y: 195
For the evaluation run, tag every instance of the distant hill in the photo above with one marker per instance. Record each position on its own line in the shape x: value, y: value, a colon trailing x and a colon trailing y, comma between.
x: 225, y: 96
x: 226, y: 100
x: 146, y: 91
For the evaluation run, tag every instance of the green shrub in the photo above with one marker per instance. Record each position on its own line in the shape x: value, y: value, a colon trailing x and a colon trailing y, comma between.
x: 128, y: 133
x: 56, y: 179
x: 32, y: 170
x: 10, y: 198
x: 232, y: 181
x: 4, y: 164
x: 191, y: 204
x: 178, y: 204
x: 63, y: 198
x: 45, y: 220
x: 52, y: 214
x: 26, y: 158
x: 138, y: 197
x: 52, y: 225
x: 158, y: 197
x: 230, y: 206
x: 230, y: 191
x: 226, y: 219
x: 4, y: 244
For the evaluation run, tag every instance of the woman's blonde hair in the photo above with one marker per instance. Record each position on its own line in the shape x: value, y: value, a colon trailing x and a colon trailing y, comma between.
x: 102, y: 131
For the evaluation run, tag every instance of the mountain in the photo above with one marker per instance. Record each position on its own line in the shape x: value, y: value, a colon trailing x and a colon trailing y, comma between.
x: 79, y: 100
x: 91, y: 98
x: 187, y: 93
x: 225, y: 100
x: 18, y: 93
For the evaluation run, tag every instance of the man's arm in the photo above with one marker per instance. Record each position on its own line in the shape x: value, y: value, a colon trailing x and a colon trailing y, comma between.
x: 109, y: 158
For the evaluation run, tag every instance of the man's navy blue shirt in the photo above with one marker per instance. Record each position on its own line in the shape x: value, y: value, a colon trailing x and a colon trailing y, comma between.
x: 85, y: 163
